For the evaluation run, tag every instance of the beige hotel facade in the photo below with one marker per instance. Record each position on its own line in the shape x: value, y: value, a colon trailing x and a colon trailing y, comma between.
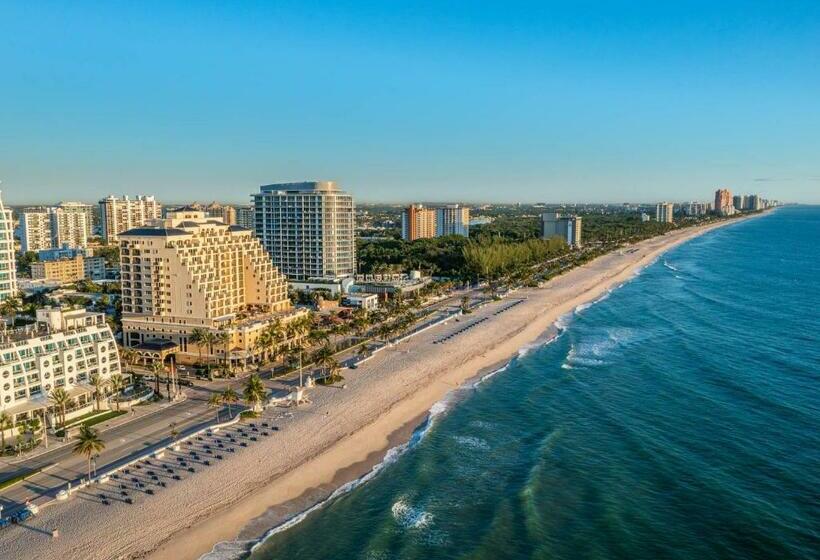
x: 189, y: 271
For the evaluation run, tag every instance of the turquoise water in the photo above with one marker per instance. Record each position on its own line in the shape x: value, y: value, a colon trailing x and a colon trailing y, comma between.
x: 677, y: 418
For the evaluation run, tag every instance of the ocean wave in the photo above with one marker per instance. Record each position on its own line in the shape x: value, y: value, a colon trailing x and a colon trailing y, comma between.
x: 669, y: 266
x: 472, y: 442
x: 234, y: 550
x: 593, y: 351
x: 409, y: 517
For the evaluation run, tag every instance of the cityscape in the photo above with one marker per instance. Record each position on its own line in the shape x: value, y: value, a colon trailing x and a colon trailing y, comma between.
x: 382, y: 281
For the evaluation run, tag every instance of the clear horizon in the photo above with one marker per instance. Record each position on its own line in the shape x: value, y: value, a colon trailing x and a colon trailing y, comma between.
x: 527, y: 102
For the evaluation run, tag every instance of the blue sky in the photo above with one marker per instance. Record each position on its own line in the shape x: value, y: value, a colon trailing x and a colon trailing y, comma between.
x: 399, y: 101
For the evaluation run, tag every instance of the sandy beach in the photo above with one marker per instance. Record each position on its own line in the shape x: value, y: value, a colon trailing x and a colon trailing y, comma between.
x: 333, y: 440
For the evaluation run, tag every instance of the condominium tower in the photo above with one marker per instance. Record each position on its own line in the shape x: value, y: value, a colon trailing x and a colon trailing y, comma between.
x: 665, y: 212
x: 453, y: 219
x: 48, y: 228
x: 418, y: 222
x: 8, y: 266
x: 189, y: 271
x: 86, y: 210
x: 307, y: 228
x: 724, y: 204
x: 567, y: 228
x: 120, y: 214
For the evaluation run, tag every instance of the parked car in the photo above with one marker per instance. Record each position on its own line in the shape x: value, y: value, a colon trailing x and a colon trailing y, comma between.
x: 21, y: 516
x: 5, y: 522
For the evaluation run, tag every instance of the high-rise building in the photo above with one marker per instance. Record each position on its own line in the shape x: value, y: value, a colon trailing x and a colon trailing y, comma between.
x: 121, y: 214
x: 307, y: 228
x: 63, y: 349
x: 47, y: 228
x: 81, y: 208
x: 35, y: 231
x: 418, y: 222
x: 724, y: 204
x: 245, y: 217
x: 697, y: 208
x: 665, y: 212
x: 188, y: 271
x: 754, y: 202
x: 567, y: 228
x: 8, y: 266
x: 739, y: 202
x: 453, y: 219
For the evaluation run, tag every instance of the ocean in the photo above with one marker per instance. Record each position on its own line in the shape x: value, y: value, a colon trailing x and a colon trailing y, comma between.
x: 677, y: 417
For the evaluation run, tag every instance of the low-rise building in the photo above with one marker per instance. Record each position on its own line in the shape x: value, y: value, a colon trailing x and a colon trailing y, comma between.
x: 63, y: 349
x: 63, y: 270
x: 362, y: 301
x: 389, y: 285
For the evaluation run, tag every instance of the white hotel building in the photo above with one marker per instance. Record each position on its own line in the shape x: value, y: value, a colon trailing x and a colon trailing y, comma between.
x: 64, y: 348
x: 8, y: 265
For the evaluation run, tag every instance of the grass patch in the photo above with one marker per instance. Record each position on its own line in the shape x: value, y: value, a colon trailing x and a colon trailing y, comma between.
x: 96, y: 420
x: 19, y: 478
x: 329, y: 380
x: 248, y: 414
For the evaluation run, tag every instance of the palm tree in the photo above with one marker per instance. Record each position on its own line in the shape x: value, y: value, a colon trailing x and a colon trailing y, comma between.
x: 156, y: 369
x: 254, y: 392
x: 60, y: 398
x: 215, y: 401
x: 199, y: 337
x: 224, y: 338
x: 128, y: 356
x: 10, y: 307
x: 333, y: 368
x: 98, y: 382
x: 229, y: 397
x: 117, y: 384
x: 88, y: 443
x: 5, y: 424
x: 323, y: 356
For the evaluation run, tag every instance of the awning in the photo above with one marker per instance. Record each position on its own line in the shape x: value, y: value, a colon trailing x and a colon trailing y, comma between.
x: 28, y: 406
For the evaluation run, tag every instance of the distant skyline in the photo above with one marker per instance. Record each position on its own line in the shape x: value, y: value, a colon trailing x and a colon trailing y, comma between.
x: 436, y: 101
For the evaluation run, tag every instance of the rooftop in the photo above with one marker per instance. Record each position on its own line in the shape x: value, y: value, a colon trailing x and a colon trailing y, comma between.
x: 305, y: 186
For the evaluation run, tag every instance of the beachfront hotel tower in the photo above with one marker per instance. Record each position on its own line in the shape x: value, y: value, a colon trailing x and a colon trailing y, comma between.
x: 724, y: 203
x: 418, y: 222
x: 120, y: 214
x: 307, y: 228
x: 8, y: 266
x: 567, y: 228
x: 190, y: 271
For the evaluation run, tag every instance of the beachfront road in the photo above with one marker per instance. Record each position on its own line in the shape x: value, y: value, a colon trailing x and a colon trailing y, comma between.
x: 144, y: 431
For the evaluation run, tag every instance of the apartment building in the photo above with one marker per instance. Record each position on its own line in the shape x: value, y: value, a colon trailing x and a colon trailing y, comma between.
x: 8, y: 265
x: 86, y: 210
x: 120, y: 214
x: 567, y: 228
x: 307, y: 228
x: 224, y: 212
x: 697, y: 208
x: 46, y: 228
x: 418, y: 222
x: 190, y: 271
x: 724, y: 203
x: 245, y: 217
x: 665, y: 212
x: 64, y: 348
x: 64, y: 270
x: 452, y: 219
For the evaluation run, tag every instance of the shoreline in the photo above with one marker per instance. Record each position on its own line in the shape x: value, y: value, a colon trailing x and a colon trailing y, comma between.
x: 345, y: 475
x: 338, y: 438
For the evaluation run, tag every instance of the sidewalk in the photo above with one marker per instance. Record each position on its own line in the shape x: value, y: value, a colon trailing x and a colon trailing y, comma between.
x: 136, y: 412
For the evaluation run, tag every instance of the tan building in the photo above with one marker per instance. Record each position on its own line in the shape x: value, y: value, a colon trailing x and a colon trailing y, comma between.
x: 64, y: 270
x: 226, y: 213
x: 724, y: 204
x: 418, y: 222
x: 120, y: 214
x: 189, y: 271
